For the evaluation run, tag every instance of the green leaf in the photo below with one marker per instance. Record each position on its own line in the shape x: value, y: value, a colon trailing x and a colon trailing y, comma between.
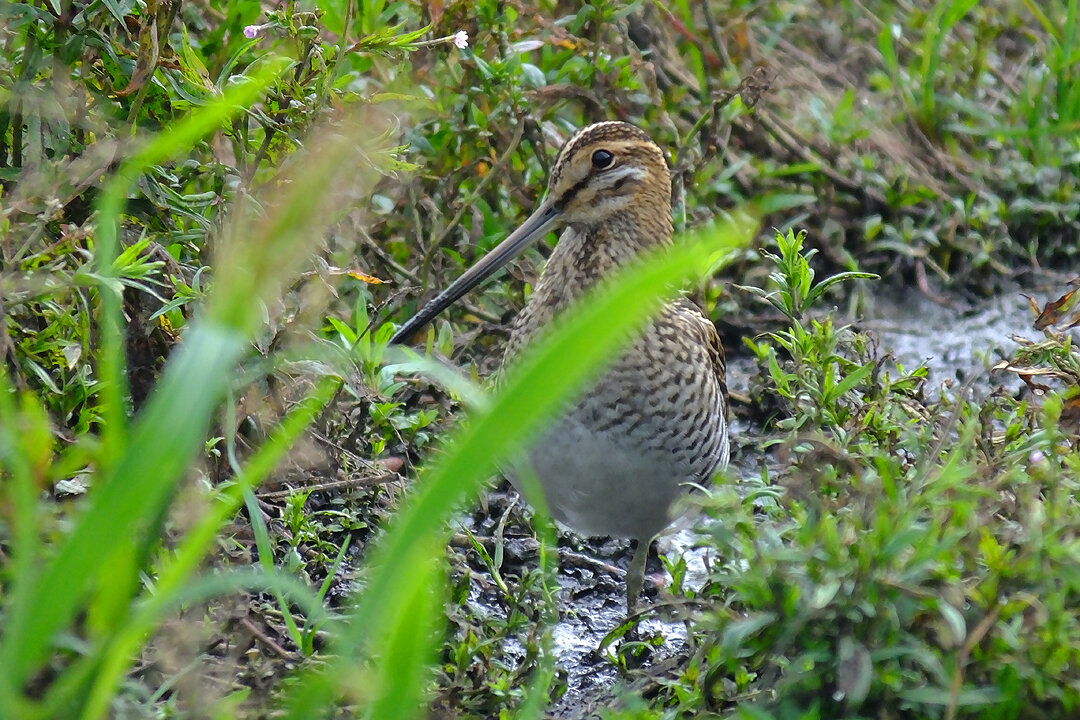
x: 736, y: 633
x: 853, y: 378
x: 827, y: 283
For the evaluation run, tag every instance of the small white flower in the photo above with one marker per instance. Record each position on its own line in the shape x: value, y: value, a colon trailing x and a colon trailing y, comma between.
x: 461, y: 39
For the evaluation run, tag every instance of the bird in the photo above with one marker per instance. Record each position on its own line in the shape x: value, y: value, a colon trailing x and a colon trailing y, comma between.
x: 614, y: 461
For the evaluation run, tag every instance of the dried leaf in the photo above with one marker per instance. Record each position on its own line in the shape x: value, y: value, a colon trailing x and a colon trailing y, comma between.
x: 329, y: 271
x: 1033, y: 304
x: 854, y: 671
x: 392, y: 464
x: 1037, y: 389
x: 363, y: 277
x: 1070, y: 415
x: 1057, y: 312
x: 158, y: 15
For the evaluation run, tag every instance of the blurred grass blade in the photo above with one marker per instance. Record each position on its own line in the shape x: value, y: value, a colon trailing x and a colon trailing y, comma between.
x: 450, y: 379
x: 181, y: 564
x: 408, y: 643
x: 39, y: 603
x: 133, y: 489
x: 158, y: 149
x: 534, y: 389
x: 138, y: 485
x: 196, y: 591
x: 25, y: 453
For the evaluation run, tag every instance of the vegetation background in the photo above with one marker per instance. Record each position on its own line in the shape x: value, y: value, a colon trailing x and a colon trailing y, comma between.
x: 213, y: 213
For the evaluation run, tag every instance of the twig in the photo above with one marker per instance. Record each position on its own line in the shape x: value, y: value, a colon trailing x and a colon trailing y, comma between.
x: 568, y: 558
x: 480, y: 187
x: 714, y: 35
x: 385, y: 257
x: 332, y: 485
x: 267, y: 640
x: 713, y: 62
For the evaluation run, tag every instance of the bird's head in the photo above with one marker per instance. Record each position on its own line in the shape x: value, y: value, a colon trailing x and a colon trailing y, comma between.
x: 606, y: 174
x: 606, y: 170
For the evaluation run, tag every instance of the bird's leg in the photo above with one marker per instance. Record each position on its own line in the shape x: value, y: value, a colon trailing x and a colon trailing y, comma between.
x: 635, y: 574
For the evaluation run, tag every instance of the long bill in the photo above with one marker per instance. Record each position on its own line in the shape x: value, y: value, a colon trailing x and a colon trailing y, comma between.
x: 535, y: 227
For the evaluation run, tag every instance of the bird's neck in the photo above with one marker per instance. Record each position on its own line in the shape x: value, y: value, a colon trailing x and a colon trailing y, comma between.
x: 585, y: 255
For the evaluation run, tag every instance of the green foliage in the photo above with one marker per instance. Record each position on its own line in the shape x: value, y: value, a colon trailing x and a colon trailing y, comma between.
x: 91, y: 581
x: 820, y: 380
x: 899, y: 575
x: 917, y: 84
x: 96, y: 569
x: 198, y: 204
x: 794, y: 278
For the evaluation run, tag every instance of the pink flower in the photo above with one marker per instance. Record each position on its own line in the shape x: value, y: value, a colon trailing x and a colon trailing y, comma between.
x: 252, y: 31
x: 461, y: 39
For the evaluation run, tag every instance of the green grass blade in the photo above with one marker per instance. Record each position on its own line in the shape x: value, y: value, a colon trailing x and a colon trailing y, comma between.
x: 173, y: 577
x: 140, y: 481
x: 534, y: 389
x: 171, y: 428
x: 266, y: 561
x: 21, y: 443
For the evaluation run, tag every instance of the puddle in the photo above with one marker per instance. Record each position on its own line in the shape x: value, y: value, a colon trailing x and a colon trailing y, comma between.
x: 587, y: 615
x: 960, y: 342
x: 591, y: 603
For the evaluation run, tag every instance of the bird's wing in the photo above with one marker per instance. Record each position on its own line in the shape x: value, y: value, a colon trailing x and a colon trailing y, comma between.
x: 710, y: 339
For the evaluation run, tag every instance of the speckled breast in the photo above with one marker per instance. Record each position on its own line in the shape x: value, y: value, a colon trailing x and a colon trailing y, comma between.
x: 614, y: 463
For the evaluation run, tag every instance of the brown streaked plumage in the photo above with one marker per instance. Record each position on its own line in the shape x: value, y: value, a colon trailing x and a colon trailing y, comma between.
x: 614, y: 461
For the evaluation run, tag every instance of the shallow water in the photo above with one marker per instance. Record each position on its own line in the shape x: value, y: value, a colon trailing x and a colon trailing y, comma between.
x: 954, y: 341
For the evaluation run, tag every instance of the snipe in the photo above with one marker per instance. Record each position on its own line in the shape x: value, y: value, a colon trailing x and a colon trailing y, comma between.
x: 613, y: 464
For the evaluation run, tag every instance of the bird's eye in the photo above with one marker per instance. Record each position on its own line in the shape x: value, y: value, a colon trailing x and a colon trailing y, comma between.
x: 602, y: 159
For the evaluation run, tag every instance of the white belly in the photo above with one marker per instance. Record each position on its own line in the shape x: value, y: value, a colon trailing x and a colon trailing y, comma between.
x: 616, y: 482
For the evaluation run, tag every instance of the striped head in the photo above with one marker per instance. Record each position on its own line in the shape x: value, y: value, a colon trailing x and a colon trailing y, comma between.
x: 610, y: 185
x: 608, y: 169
